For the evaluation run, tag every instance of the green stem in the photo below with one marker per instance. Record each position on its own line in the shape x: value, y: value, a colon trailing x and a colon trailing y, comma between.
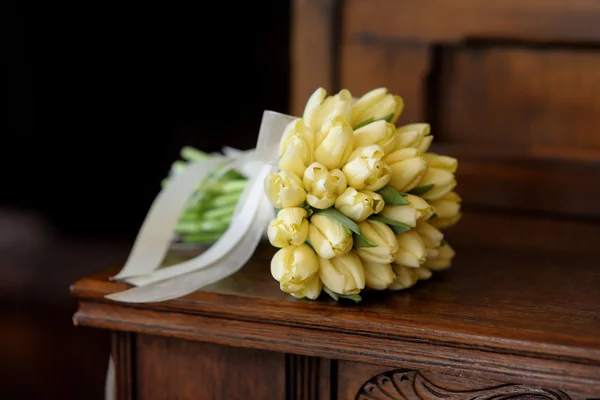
x: 189, y: 153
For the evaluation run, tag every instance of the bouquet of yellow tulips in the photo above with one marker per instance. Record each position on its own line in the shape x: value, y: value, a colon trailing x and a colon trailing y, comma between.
x: 360, y: 202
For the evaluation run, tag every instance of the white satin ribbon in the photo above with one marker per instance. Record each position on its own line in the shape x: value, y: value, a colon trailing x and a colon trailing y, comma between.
x: 233, y: 249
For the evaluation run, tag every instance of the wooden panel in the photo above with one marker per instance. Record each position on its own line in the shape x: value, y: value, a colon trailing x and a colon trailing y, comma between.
x: 179, y: 369
x: 121, y: 365
x: 403, y: 69
x: 540, y: 101
x: 313, y: 50
x: 371, y: 382
x: 443, y: 21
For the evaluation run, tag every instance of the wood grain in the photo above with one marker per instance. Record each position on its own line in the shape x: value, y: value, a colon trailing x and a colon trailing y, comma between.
x: 179, y: 369
x: 445, y: 21
x: 527, y: 313
x: 546, y: 102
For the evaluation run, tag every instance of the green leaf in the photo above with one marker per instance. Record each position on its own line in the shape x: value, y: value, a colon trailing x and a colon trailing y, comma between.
x: 354, y: 297
x: 387, y: 118
x: 338, y: 216
x: 434, y: 216
x: 442, y: 242
x: 331, y: 294
x: 392, y: 197
x: 361, y: 241
x: 335, y: 296
x: 397, y: 226
x: 421, y: 189
x: 309, y: 210
x: 307, y: 241
x: 365, y: 122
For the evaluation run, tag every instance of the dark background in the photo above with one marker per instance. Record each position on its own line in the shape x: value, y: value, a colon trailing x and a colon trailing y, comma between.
x: 100, y: 98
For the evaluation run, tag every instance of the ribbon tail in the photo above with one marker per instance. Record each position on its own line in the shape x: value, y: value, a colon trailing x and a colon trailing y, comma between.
x: 184, y: 284
x: 156, y: 233
x: 240, y: 225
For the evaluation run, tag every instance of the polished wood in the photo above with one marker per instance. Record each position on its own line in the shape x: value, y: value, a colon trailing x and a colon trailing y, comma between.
x: 176, y: 369
x: 526, y: 314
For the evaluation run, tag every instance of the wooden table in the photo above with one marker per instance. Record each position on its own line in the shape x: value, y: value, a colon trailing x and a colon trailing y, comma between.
x: 518, y: 316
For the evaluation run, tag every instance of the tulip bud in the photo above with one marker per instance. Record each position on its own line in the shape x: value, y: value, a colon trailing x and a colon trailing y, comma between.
x: 334, y: 143
x: 383, y: 237
x: 375, y: 105
x: 284, y: 189
x: 323, y: 186
x: 432, y: 237
x: 443, y: 260
x: 405, y: 277
x: 447, y: 210
x: 365, y: 170
x: 408, y: 214
x: 414, y: 135
x: 381, y: 133
x: 290, y: 228
x: 378, y: 276
x: 408, y: 167
x: 441, y: 182
x: 321, y: 110
x: 359, y: 205
x: 411, y: 250
x: 343, y: 274
x: 296, y: 148
x: 441, y: 162
x: 294, y: 264
x: 310, y: 288
x: 422, y: 273
x: 329, y: 237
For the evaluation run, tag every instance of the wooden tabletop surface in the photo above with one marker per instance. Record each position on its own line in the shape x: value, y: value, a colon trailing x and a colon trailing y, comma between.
x: 517, y: 284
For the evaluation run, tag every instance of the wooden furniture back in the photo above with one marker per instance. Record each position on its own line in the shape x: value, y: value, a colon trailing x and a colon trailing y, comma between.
x: 511, y: 88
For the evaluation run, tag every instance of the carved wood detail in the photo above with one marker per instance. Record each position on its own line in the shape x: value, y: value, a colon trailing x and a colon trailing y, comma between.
x: 411, y: 385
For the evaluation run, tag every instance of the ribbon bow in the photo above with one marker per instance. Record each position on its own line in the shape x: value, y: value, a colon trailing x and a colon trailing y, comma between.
x: 230, y: 252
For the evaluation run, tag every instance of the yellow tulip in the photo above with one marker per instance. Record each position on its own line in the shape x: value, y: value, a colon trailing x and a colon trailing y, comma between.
x: 322, y: 185
x: 447, y: 210
x: 294, y: 264
x: 310, y: 288
x: 440, y: 176
x: 408, y: 168
x: 411, y: 250
x: 320, y: 110
x: 432, y: 237
x: 405, y: 277
x: 285, y: 189
x: 408, y: 214
x: 289, y: 228
x: 422, y: 273
x: 386, y: 245
x: 296, y: 147
x: 359, y: 205
x: 374, y: 105
x: 378, y: 276
x: 334, y: 144
x: 443, y: 260
x: 414, y: 135
x: 329, y: 237
x: 365, y: 170
x: 381, y: 133
x: 343, y: 274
